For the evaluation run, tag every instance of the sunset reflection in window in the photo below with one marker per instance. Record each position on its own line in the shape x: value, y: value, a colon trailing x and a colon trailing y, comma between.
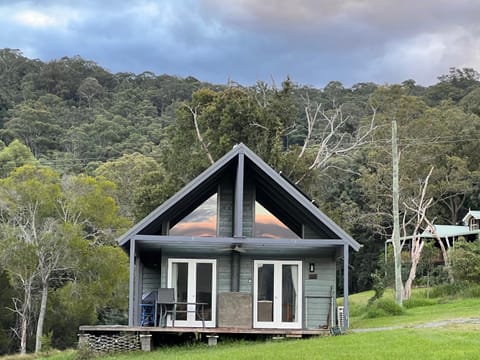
x: 268, y: 226
x: 200, y: 222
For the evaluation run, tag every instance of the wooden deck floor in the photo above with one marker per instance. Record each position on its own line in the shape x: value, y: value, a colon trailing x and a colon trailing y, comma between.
x: 201, y: 330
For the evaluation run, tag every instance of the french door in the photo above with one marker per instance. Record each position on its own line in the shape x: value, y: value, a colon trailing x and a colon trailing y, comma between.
x: 277, y: 294
x: 194, y: 281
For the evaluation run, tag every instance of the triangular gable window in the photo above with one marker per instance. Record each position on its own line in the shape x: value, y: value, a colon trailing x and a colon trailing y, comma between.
x: 269, y: 226
x: 200, y: 222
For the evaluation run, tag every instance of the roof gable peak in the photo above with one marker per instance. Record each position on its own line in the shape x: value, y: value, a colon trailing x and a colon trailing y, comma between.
x: 269, y: 175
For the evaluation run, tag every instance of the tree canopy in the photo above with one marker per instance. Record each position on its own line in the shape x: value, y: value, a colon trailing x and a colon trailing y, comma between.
x: 84, y: 152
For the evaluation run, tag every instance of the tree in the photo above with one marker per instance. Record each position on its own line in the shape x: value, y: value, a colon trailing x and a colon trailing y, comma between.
x: 7, y: 319
x: 27, y: 204
x: 328, y: 137
x: 419, y: 206
x: 37, y: 124
x: 393, y: 164
x: 466, y: 261
x: 127, y: 173
x: 41, y: 215
x: 13, y: 156
x: 89, y: 89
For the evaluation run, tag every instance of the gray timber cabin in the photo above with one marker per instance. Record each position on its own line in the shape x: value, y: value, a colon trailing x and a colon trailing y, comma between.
x: 240, y: 249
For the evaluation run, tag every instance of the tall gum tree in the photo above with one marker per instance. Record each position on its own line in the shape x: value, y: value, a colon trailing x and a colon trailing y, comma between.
x: 40, y: 212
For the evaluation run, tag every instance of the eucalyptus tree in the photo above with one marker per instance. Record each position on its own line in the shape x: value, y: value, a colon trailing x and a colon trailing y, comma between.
x: 42, y: 213
x: 424, y: 140
x: 214, y: 121
x: 386, y: 187
x: 28, y: 206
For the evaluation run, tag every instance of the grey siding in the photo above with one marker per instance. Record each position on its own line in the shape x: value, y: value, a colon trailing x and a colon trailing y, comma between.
x: 309, y: 233
x: 246, y: 274
x: 151, y: 279
x: 223, y: 274
x: 320, y: 292
x: 225, y: 216
x: 248, y: 209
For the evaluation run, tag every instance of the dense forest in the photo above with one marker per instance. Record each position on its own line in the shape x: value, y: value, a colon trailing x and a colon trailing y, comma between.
x: 84, y: 153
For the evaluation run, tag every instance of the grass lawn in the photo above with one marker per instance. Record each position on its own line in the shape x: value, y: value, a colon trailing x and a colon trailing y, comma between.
x: 455, y: 341
x: 440, y: 309
x: 422, y: 344
x: 465, y: 308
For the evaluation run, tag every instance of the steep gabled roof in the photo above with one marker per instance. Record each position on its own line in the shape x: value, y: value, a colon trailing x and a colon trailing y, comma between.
x: 471, y: 214
x: 262, y: 168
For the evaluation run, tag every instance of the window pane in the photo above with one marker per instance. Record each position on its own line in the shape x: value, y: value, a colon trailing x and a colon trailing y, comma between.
x: 289, y: 292
x: 265, y: 292
x: 180, y: 283
x: 268, y: 226
x: 204, y: 291
x: 200, y: 222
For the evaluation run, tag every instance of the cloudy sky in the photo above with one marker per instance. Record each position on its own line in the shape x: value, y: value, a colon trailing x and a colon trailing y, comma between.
x: 312, y: 41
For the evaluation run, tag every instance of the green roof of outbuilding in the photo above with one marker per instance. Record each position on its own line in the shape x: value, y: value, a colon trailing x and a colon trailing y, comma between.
x: 445, y: 231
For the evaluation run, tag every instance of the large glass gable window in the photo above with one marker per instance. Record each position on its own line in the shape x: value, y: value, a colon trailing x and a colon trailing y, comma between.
x: 200, y: 222
x: 268, y: 226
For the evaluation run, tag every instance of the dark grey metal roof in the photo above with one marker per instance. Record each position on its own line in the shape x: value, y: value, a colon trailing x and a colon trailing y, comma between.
x: 271, y: 175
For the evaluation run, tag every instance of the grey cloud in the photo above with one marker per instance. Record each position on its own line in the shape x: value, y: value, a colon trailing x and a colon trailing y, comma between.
x: 247, y: 40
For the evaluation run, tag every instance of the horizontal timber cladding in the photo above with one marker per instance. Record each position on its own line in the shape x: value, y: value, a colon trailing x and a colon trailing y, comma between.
x: 248, y: 209
x: 223, y: 273
x: 151, y: 279
x: 246, y: 274
x: 310, y: 233
x: 225, y: 214
x: 319, y: 291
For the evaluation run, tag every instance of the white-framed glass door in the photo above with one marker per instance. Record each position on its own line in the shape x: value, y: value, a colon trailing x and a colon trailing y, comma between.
x: 194, y: 281
x: 277, y: 290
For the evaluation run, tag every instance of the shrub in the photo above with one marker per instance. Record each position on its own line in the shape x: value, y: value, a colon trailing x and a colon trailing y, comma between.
x: 85, y: 352
x: 356, y: 309
x: 378, y: 287
x: 465, y: 258
x: 473, y: 291
x: 448, y: 290
x: 418, y: 302
x: 383, y: 307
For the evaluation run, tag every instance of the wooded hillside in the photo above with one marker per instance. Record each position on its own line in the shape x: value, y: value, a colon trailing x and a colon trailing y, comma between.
x: 85, y: 152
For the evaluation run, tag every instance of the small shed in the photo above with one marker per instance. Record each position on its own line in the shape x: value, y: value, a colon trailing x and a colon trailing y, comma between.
x: 239, y: 247
x: 472, y: 220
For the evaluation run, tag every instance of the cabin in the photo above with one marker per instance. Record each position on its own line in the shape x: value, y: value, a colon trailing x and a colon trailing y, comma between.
x: 472, y: 220
x: 239, y: 249
x: 447, y: 234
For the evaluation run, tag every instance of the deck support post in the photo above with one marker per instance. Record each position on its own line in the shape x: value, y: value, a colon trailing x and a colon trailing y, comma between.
x: 131, y: 284
x: 212, y: 340
x: 345, y: 285
x: 138, y: 292
x: 146, y: 342
x: 82, y: 340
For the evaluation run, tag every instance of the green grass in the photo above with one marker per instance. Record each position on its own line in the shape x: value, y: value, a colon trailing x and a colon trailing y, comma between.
x: 420, y: 310
x: 426, y: 344
x: 455, y: 341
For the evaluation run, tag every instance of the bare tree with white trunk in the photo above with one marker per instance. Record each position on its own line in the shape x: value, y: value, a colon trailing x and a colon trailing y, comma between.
x: 327, y: 136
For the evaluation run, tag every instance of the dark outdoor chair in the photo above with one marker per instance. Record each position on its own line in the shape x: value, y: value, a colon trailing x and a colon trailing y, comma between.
x: 166, y: 304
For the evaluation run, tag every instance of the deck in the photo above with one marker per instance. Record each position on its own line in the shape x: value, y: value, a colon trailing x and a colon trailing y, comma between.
x: 200, y: 330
